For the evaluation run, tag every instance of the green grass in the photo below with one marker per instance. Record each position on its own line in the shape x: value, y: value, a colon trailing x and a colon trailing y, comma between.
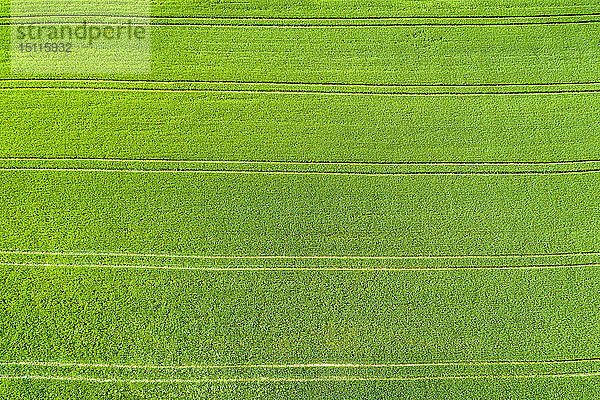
x: 233, y: 317
x: 355, y: 8
x: 481, y: 389
x: 422, y: 222
x: 372, y: 55
x: 276, y: 317
x: 237, y: 214
x: 221, y: 126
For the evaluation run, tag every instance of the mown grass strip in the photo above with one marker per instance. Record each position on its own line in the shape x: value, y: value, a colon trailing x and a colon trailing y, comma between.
x: 334, y: 173
x: 284, y: 257
x: 304, y: 23
x: 303, y: 163
x: 318, y: 379
x: 58, y: 80
x: 318, y: 365
x: 351, y: 9
x: 302, y: 89
x: 262, y: 268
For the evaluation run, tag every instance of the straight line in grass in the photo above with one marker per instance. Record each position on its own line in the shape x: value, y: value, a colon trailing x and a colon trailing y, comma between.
x: 333, y: 173
x: 359, y: 18
x: 288, y: 25
x: 342, y: 269
x: 306, y: 365
x: 290, y: 379
x: 306, y: 92
x: 376, y: 85
x: 299, y: 257
x: 258, y: 162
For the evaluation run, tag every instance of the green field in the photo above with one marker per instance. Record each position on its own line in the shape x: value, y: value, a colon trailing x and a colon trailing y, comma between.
x: 317, y: 200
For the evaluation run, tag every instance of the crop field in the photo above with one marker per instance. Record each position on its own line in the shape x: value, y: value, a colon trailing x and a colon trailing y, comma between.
x: 306, y: 200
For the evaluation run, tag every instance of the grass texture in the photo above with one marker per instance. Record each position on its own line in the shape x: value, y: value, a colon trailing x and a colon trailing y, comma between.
x: 317, y: 200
